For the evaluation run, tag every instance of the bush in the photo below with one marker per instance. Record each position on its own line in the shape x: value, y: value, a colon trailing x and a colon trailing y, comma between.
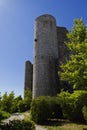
x: 45, y: 108
x: 27, y: 98
x: 72, y: 104
x: 4, y: 115
x: 84, y: 111
x: 24, y: 105
x: 40, y: 111
x: 15, y: 104
x: 56, y: 110
x: 18, y: 125
x: 6, y: 101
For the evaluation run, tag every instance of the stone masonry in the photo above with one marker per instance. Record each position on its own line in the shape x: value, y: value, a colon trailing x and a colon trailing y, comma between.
x: 49, y: 52
x: 28, y: 75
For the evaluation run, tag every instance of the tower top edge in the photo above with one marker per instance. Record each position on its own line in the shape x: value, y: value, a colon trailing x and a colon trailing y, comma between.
x: 28, y: 62
x: 61, y: 27
x: 45, y: 16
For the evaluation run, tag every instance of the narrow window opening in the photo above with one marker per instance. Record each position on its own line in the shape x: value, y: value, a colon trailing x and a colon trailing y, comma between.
x: 35, y: 40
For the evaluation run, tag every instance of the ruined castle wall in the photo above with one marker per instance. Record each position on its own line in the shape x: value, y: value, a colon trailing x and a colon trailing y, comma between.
x: 28, y: 75
x: 45, y: 56
x: 64, y: 52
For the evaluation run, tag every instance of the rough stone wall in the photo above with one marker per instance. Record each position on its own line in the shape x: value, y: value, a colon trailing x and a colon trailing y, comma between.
x: 64, y: 54
x: 28, y: 75
x: 62, y: 48
x: 45, y: 57
x: 50, y: 52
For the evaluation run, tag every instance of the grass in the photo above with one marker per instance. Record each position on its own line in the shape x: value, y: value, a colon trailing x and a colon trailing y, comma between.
x: 66, y: 125
x: 59, y: 124
x: 27, y: 115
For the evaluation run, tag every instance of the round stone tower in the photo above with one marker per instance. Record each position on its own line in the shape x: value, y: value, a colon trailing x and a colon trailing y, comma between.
x: 28, y: 75
x: 45, y: 57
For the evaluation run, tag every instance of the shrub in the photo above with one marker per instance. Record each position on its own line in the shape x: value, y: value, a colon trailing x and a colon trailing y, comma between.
x: 22, y: 106
x: 15, y: 104
x: 40, y: 111
x: 45, y: 108
x: 27, y: 98
x: 72, y: 104
x: 84, y: 111
x: 56, y: 110
x: 18, y: 125
x: 6, y: 101
x: 4, y: 115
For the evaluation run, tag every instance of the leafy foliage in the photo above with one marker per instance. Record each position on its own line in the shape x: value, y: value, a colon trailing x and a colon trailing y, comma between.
x: 72, y: 104
x: 45, y: 108
x: 75, y: 69
x: 11, y: 104
x: 6, y: 102
x: 84, y: 111
x: 28, y: 98
x: 4, y: 115
x: 18, y: 125
x: 24, y: 105
x: 15, y: 104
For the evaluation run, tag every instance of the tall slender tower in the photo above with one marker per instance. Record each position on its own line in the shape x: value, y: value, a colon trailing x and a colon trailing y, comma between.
x: 28, y: 75
x: 45, y: 57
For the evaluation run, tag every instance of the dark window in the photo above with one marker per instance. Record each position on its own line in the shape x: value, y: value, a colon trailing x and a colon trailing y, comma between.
x: 35, y: 40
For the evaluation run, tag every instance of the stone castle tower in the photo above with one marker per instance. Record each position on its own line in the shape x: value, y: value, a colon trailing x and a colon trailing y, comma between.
x: 49, y: 52
x: 28, y: 75
x: 45, y: 56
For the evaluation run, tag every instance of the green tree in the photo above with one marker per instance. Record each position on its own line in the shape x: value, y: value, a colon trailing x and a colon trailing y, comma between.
x: 75, y: 69
x: 27, y: 98
x: 7, y: 101
x: 72, y: 105
x: 15, y: 104
x: 0, y: 96
x: 0, y: 100
x: 24, y: 104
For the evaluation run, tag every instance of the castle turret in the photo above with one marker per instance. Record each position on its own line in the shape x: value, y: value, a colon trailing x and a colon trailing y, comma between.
x: 45, y: 57
x: 28, y: 75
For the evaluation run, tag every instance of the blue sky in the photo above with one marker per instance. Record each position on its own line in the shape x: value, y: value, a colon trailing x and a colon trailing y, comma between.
x: 17, y: 32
